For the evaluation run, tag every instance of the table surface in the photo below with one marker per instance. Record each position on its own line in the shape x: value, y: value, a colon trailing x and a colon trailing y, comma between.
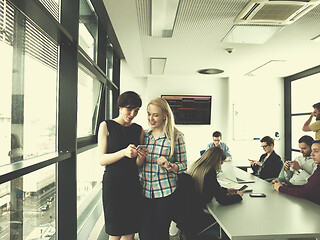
x: 277, y: 216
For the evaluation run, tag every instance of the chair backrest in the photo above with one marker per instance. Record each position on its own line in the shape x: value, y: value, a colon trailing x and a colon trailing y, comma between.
x: 202, y: 152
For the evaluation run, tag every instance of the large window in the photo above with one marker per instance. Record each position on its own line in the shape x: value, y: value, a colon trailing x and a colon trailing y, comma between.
x: 89, y: 176
x: 88, y: 25
x: 51, y: 92
x: 27, y: 206
x: 89, y: 92
x: 29, y: 75
x: 303, y: 94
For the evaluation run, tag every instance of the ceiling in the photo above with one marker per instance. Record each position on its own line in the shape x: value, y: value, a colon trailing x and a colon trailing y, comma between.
x: 196, y: 41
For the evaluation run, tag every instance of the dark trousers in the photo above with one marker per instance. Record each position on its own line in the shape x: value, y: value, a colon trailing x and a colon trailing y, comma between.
x: 157, y: 218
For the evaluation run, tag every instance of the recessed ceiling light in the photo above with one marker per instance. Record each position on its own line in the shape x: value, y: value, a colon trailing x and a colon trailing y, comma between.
x: 163, y: 16
x: 157, y: 65
x: 210, y: 71
x: 250, y: 34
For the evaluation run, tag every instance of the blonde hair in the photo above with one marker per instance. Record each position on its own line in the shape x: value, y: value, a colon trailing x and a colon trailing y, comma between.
x: 212, y: 158
x: 169, y: 126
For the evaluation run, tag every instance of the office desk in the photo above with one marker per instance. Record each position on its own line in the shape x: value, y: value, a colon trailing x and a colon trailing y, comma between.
x: 277, y: 216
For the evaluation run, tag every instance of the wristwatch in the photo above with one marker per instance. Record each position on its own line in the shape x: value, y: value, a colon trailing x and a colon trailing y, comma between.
x: 300, y: 170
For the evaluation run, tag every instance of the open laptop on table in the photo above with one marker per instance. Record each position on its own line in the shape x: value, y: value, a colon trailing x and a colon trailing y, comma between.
x: 228, y: 172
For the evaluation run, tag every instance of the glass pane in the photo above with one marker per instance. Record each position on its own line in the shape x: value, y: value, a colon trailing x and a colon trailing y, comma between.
x: 27, y: 206
x: 304, y: 93
x: 109, y: 60
x: 109, y: 102
x: 89, y: 92
x: 296, y: 131
x: 88, y: 26
x: 53, y: 6
x: 89, y: 176
x: 28, y: 106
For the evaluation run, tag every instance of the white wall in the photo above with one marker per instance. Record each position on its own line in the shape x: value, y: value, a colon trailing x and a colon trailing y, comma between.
x: 264, y: 99
x: 138, y: 85
x: 258, y: 93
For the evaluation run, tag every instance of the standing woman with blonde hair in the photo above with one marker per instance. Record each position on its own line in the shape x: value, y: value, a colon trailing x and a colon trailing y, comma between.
x: 204, y: 173
x: 166, y: 158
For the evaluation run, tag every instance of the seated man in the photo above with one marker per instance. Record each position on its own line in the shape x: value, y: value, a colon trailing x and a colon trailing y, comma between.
x: 270, y: 163
x: 298, y: 171
x: 311, y: 190
x: 217, y: 137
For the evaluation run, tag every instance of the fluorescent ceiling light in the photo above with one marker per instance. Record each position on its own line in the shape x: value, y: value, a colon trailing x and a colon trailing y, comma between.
x: 157, y: 65
x: 271, y: 68
x: 250, y: 34
x: 316, y: 39
x: 163, y: 15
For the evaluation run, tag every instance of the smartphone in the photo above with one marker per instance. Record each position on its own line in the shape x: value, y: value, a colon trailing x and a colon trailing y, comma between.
x: 257, y: 195
x: 286, y: 159
x: 243, y: 187
x: 141, y: 146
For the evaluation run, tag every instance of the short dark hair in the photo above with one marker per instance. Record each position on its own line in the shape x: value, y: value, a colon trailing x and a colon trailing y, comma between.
x: 316, y: 105
x: 307, y: 140
x: 217, y: 134
x: 316, y: 141
x: 129, y: 99
x: 268, y: 140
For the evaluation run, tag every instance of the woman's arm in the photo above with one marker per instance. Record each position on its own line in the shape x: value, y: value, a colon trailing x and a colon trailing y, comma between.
x: 142, y: 153
x: 180, y: 157
x: 212, y: 188
x: 109, y: 158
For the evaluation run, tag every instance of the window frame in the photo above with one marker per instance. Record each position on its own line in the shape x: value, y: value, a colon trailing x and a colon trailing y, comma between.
x: 287, y: 107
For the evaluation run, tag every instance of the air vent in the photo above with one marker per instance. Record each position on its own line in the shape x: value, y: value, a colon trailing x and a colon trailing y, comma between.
x: 274, y: 12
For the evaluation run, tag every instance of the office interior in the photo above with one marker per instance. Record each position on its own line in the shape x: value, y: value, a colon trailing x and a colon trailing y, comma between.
x: 64, y: 63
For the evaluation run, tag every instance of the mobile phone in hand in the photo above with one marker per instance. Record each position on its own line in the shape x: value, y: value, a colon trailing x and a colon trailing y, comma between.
x: 243, y: 188
x: 141, y: 146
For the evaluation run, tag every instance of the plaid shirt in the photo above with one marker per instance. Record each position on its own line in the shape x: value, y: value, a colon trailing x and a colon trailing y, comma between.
x: 157, y: 182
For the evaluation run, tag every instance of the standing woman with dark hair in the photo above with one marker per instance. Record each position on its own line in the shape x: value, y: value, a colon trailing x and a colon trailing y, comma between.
x: 117, y: 141
x: 166, y: 157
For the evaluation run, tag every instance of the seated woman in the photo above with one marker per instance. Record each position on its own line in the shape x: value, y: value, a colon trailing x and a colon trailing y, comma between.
x: 270, y: 163
x: 197, y: 188
x: 204, y: 173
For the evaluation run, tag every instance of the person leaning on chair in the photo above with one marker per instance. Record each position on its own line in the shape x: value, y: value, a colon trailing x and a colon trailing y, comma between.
x: 270, y: 163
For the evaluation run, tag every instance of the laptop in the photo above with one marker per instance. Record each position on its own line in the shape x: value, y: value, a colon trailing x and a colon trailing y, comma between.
x: 228, y: 172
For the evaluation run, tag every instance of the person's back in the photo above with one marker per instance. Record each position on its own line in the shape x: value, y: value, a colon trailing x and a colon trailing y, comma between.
x: 189, y: 213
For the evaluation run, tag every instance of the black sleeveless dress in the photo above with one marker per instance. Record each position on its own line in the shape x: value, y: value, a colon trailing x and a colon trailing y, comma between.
x: 121, y: 190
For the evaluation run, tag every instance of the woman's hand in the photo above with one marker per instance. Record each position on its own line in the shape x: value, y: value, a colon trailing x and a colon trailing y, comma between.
x: 232, y: 191
x: 163, y: 162
x: 241, y: 192
x: 130, y: 151
x: 142, y: 152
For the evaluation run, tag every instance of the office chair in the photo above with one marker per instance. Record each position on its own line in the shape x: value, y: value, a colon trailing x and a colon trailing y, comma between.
x: 202, y: 152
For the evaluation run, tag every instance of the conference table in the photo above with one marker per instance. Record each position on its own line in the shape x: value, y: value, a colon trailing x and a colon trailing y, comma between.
x: 276, y: 216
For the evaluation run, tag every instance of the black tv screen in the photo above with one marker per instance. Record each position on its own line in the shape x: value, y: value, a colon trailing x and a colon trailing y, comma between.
x: 190, y: 109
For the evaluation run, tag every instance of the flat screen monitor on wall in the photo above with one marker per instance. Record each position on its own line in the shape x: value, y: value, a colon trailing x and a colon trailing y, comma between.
x: 190, y: 109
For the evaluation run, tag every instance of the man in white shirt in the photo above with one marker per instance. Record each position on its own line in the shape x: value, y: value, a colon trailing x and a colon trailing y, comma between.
x: 302, y: 167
